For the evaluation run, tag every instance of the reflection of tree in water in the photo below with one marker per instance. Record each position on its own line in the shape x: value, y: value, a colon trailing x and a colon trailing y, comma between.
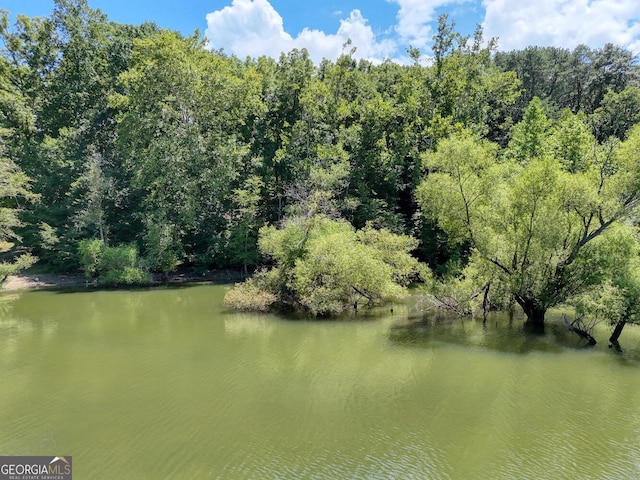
x: 6, y: 305
x: 9, y: 319
x: 501, y: 332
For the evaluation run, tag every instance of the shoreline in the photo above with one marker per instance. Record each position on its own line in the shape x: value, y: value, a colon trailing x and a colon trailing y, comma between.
x: 35, y: 281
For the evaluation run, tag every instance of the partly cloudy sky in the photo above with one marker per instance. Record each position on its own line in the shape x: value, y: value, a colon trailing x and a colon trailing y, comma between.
x: 378, y: 28
x: 267, y: 27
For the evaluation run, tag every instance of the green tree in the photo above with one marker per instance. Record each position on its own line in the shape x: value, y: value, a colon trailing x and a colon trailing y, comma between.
x: 90, y: 191
x: 244, y: 223
x: 14, y: 192
x: 117, y: 265
x: 162, y: 243
x: 180, y: 137
x: 617, y: 299
x: 326, y: 267
x: 280, y: 133
x: 617, y: 113
x: 571, y: 141
x: 577, y: 79
x: 529, y: 137
x: 539, y: 232
x: 466, y: 86
x: 62, y: 70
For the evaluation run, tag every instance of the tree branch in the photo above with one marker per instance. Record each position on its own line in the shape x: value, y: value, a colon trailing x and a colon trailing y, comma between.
x: 499, y: 265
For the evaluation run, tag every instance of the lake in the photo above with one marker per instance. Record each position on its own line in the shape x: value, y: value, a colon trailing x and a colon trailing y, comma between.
x: 164, y: 383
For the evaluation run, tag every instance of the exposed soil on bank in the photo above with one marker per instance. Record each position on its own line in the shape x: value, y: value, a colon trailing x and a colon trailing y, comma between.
x: 24, y: 281
x: 27, y: 281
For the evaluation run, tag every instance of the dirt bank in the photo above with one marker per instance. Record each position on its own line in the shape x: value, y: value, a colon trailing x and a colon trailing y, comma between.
x: 25, y: 281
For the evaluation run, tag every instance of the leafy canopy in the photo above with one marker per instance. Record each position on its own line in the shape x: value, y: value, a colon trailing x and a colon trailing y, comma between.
x: 541, y: 226
x: 325, y: 266
x: 14, y: 190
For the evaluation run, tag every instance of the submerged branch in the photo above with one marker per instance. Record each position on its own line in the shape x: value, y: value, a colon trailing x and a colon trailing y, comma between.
x: 575, y: 326
x: 461, y: 306
x: 450, y: 304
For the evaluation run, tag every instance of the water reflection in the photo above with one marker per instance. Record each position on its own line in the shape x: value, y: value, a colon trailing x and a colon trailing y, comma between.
x: 173, y: 385
x: 501, y: 332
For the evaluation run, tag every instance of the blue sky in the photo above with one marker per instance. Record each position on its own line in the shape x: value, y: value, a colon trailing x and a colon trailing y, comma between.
x: 378, y: 28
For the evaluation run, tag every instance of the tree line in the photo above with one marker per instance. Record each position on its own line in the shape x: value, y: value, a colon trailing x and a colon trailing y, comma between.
x: 133, y: 147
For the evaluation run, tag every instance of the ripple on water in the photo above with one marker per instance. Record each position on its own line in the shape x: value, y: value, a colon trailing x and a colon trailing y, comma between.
x: 172, y: 387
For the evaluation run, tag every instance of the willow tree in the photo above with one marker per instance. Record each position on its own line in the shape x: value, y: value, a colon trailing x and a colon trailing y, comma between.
x: 616, y: 301
x: 327, y: 267
x: 541, y: 230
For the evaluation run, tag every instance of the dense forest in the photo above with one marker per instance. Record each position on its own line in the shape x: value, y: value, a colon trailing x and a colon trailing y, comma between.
x: 129, y: 150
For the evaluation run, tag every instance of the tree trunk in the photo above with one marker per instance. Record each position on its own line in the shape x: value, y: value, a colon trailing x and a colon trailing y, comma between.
x: 485, y: 303
x: 535, y: 320
x: 617, y: 331
x: 535, y: 314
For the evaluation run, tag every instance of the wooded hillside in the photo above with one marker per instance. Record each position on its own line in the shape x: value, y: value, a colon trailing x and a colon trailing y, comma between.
x: 139, y: 137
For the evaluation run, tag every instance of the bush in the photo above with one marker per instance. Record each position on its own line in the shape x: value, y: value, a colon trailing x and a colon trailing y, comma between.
x: 90, y: 253
x: 249, y: 296
x: 326, y: 267
x: 126, y: 276
x: 118, y: 258
x: 111, y: 265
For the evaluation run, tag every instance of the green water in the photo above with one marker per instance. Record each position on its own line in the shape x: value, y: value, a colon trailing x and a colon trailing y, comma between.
x: 166, y: 384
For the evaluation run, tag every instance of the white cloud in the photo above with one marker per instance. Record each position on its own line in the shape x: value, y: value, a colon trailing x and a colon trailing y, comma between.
x: 247, y: 28
x: 254, y: 28
x: 563, y: 23
x: 417, y: 20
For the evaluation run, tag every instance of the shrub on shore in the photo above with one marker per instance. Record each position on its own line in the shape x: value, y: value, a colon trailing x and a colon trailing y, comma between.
x: 118, y: 265
x: 326, y: 267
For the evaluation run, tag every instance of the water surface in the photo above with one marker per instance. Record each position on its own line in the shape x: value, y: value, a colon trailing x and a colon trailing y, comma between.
x: 164, y: 383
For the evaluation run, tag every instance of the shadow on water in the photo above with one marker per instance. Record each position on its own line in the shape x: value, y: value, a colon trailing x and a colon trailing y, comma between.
x: 350, y: 316
x: 501, y: 332
x: 129, y: 288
